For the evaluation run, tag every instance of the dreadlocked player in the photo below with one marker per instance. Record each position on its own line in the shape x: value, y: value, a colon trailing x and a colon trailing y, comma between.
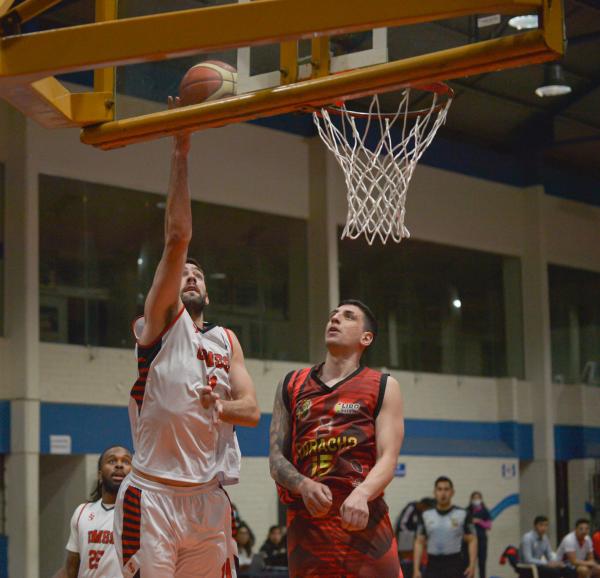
x: 90, y: 550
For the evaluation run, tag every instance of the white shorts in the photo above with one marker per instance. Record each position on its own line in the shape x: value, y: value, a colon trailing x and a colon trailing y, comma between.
x: 172, y: 532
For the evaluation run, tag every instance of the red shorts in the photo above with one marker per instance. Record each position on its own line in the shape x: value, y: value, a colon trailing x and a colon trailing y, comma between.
x: 320, y: 547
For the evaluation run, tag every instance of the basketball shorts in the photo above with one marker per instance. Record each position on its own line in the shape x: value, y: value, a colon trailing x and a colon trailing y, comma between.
x: 320, y: 547
x: 171, y: 532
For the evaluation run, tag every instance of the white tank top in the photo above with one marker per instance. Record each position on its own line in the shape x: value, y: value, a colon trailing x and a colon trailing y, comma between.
x: 92, y: 538
x: 174, y: 437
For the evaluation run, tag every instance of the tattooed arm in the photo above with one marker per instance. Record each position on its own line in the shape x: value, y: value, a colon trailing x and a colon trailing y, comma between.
x: 316, y: 496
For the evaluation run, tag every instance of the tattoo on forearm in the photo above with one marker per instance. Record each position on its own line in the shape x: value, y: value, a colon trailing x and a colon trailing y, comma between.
x: 282, y: 470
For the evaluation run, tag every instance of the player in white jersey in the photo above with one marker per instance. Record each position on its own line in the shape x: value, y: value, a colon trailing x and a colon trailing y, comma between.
x: 173, y: 519
x: 90, y: 550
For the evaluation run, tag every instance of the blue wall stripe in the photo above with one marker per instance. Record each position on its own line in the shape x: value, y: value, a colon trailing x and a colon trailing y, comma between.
x: 4, y: 427
x: 509, y: 501
x: 93, y: 427
x: 575, y: 442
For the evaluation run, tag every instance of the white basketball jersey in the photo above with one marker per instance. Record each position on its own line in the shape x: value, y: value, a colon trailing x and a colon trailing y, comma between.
x: 173, y: 435
x: 92, y: 538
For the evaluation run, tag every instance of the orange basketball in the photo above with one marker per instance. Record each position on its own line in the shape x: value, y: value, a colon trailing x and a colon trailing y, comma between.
x: 210, y: 80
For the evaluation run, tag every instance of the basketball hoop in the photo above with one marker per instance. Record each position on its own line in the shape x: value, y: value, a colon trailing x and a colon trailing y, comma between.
x: 378, y: 152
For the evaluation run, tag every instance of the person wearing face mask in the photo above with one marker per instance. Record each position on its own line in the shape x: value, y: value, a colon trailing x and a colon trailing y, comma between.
x: 482, y: 520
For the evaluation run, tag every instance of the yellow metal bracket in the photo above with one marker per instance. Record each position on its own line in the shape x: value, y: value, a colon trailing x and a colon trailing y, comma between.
x: 288, y: 56
x: 47, y: 100
x: 321, y: 57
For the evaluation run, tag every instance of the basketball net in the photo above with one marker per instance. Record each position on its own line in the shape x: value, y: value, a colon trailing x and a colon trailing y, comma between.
x: 378, y: 153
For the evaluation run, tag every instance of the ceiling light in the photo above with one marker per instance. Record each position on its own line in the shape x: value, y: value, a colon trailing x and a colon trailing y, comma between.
x: 457, y: 303
x: 524, y: 22
x: 554, y: 81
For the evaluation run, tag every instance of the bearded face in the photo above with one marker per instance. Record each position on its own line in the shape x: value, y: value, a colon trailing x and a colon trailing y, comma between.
x: 193, y: 290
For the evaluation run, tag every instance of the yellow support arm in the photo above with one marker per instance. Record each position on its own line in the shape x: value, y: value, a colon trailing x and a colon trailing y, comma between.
x: 134, y: 40
x: 492, y: 55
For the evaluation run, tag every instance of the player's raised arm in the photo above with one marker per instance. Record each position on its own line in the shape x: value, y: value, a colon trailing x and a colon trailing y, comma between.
x: 316, y: 496
x: 243, y: 408
x: 163, y: 300
x: 389, y: 433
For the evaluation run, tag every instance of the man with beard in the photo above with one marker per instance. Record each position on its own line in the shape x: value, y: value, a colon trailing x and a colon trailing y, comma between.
x: 173, y: 518
x: 90, y: 550
x: 336, y: 433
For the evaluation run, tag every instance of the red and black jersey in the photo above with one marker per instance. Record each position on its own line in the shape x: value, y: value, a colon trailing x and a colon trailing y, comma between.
x: 333, y: 428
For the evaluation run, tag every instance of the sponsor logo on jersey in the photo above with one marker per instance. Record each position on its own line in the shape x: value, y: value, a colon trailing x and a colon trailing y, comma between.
x: 346, y: 407
x: 91, y: 516
x: 303, y: 410
x: 325, y: 445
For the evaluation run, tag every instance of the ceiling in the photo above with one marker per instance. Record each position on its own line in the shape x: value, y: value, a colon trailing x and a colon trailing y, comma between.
x: 500, y: 110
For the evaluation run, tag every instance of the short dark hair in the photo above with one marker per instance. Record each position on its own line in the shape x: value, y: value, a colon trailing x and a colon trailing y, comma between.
x: 195, y: 263
x: 582, y: 521
x: 370, y: 319
x: 443, y: 479
x: 540, y: 520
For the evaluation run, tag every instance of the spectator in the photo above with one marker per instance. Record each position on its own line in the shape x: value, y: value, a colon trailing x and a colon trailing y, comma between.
x: 596, y: 544
x: 274, y: 550
x: 536, y: 549
x: 407, y: 523
x: 245, y: 542
x: 577, y: 551
x: 482, y: 520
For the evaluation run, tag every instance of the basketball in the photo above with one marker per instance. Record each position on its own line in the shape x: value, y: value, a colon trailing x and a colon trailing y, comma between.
x: 210, y: 80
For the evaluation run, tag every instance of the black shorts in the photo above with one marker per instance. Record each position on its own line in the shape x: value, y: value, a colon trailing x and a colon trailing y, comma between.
x: 452, y: 566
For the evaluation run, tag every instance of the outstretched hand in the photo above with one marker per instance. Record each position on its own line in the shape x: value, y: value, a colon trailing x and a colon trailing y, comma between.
x: 181, y: 139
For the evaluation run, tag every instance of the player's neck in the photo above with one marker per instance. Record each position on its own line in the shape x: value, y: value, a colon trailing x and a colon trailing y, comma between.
x: 339, y: 366
x: 197, y: 317
x: 108, y: 499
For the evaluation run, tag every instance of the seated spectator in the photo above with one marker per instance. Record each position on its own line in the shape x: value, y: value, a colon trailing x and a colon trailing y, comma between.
x: 536, y: 549
x: 596, y: 544
x: 274, y: 550
x: 245, y: 543
x: 577, y: 551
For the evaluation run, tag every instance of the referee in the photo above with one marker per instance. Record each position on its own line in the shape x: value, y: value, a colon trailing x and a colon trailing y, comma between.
x: 442, y: 531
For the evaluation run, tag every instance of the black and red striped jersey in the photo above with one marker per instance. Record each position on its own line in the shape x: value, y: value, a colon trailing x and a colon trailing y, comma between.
x: 333, y: 427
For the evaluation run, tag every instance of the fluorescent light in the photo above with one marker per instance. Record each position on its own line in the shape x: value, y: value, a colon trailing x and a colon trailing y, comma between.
x: 524, y: 22
x: 140, y: 261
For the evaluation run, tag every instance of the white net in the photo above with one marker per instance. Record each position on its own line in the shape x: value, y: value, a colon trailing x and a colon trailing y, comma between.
x: 378, y: 153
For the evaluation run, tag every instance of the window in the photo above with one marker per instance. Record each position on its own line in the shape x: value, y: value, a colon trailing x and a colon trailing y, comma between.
x: 575, y: 324
x: 99, y: 247
x: 440, y: 309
